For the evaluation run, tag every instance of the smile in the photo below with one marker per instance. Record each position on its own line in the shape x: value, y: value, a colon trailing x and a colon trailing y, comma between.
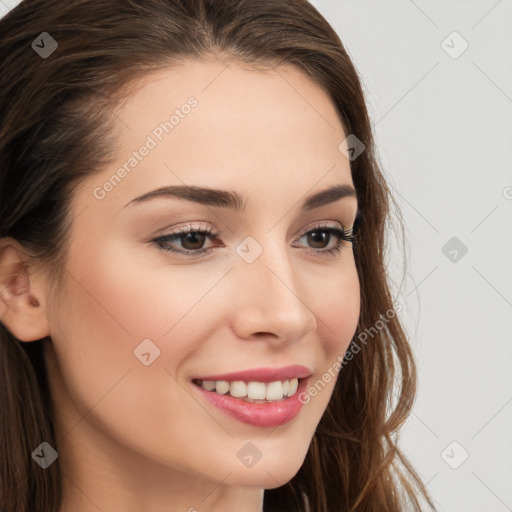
x: 278, y: 409
x: 252, y: 391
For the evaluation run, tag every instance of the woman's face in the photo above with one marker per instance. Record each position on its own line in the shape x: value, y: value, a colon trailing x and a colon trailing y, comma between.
x: 136, y: 323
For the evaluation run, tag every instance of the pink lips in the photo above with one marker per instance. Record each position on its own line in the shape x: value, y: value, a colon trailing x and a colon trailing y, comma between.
x: 263, y: 374
x: 270, y: 414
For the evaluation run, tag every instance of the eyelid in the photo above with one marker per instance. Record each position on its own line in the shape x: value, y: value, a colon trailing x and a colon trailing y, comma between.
x: 188, y: 226
x: 213, y: 233
x: 323, y: 224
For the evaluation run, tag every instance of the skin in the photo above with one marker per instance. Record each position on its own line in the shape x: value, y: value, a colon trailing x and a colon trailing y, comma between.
x: 135, y: 437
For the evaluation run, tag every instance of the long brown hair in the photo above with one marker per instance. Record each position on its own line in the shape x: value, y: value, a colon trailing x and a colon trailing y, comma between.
x: 55, y: 114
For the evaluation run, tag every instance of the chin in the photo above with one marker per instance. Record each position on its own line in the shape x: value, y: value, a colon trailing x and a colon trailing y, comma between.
x: 266, y: 476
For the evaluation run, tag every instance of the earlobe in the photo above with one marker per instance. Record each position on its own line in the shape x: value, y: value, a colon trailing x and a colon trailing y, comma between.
x: 22, y: 304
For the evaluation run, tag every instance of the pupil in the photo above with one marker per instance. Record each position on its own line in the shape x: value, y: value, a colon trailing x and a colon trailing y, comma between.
x: 318, y: 236
x: 191, y: 237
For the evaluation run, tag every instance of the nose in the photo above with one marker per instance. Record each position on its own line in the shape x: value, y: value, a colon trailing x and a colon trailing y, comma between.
x: 270, y: 300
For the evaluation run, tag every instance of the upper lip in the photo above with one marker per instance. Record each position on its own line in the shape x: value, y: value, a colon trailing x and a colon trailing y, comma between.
x: 295, y: 371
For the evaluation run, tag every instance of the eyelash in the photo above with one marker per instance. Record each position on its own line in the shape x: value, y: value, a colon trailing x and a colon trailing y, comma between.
x: 346, y: 235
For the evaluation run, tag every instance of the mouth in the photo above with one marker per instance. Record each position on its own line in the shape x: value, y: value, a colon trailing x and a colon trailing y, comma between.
x: 257, y: 403
x: 252, y: 391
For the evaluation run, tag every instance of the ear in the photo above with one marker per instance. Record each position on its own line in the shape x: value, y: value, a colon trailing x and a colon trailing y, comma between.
x: 22, y: 297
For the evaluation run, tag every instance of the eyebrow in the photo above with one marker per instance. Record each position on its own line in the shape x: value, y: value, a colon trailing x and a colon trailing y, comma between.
x: 233, y: 200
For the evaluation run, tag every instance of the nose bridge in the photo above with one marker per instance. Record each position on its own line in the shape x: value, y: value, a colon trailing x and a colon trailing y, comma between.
x: 270, y: 298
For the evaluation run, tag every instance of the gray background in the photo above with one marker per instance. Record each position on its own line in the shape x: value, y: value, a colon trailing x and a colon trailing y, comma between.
x: 443, y: 125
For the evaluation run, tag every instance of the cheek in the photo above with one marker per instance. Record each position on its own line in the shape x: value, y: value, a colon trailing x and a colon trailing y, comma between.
x: 131, y: 296
x: 110, y: 306
x: 117, y: 309
x: 337, y: 306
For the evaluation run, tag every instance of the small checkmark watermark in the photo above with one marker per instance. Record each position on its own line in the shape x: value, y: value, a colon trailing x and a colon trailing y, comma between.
x: 146, y: 352
x: 45, y: 455
x: 44, y: 45
x: 249, y: 454
x: 351, y: 147
x: 454, y: 455
x: 249, y: 249
x: 454, y: 45
x: 454, y: 249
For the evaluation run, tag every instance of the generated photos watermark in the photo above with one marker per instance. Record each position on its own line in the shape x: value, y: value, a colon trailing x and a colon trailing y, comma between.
x: 152, y: 140
x: 353, y: 349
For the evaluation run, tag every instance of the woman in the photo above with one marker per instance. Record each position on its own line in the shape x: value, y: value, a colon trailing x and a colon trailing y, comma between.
x: 195, y: 310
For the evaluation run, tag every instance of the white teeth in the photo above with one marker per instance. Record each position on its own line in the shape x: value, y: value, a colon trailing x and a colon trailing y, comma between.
x: 294, y: 384
x: 256, y: 390
x: 209, y: 385
x: 238, y: 389
x: 274, y: 391
x: 253, y: 391
x: 221, y: 386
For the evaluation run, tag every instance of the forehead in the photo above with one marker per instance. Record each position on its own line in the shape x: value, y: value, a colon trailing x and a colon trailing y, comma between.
x: 228, y: 126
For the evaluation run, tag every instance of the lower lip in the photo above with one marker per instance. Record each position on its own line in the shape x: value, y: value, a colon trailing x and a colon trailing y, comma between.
x: 271, y: 414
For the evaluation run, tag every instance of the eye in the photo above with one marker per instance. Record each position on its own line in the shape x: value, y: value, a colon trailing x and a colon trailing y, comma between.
x: 320, y: 236
x: 192, y: 239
